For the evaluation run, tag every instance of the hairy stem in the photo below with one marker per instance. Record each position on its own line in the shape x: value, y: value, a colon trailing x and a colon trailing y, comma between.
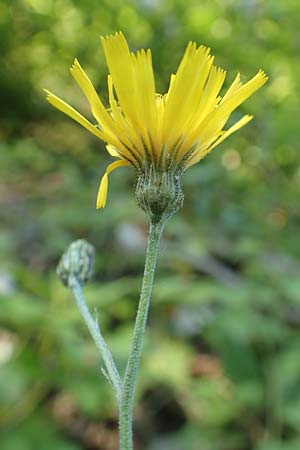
x: 111, y: 370
x: 129, y: 382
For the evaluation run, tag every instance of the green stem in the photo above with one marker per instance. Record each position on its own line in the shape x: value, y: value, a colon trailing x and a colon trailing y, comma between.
x: 94, y: 329
x: 127, y: 399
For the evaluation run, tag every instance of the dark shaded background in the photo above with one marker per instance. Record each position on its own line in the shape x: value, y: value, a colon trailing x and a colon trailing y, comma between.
x: 221, y: 365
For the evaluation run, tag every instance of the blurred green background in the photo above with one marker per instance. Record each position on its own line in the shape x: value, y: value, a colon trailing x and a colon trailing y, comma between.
x: 221, y: 363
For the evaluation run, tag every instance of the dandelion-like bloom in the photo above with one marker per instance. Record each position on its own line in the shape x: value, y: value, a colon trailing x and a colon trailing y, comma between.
x: 159, y: 134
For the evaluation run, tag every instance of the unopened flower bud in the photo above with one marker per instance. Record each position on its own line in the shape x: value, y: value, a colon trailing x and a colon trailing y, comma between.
x: 78, y: 260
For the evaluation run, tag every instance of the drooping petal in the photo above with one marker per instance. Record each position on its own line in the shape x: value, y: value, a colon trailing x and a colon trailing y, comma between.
x: 103, y: 187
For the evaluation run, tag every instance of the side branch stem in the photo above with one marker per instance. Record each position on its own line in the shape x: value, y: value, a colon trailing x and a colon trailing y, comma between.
x: 93, y: 327
x: 129, y: 382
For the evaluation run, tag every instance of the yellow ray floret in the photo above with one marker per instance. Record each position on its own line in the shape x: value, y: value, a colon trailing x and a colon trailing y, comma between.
x: 103, y: 187
x: 218, y: 139
x: 71, y: 112
x: 142, y: 128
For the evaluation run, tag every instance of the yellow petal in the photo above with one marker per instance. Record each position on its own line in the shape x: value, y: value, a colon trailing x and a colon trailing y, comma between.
x: 160, y: 110
x: 116, y: 112
x: 71, y: 112
x: 119, y: 62
x: 185, y: 90
x: 235, y: 85
x: 125, y: 130
x: 102, y: 192
x: 217, y: 139
x: 207, y: 103
x: 103, y: 187
x: 75, y: 115
x: 200, y: 148
x: 133, y: 80
x: 236, y: 97
x: 219, y: 116
x: 97, y: 107
x: 132, y: 148
x: 113, y: 151
x: 239, y: 124
x: 209, y: 97
x: 239, y: 95
x: 145, y: 85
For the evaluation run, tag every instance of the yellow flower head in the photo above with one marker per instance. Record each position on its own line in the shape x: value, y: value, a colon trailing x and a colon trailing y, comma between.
x: 157, y: 132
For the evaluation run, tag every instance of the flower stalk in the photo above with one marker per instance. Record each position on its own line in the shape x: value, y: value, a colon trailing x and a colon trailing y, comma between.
x: 129, y: 383
x: 110, y: 371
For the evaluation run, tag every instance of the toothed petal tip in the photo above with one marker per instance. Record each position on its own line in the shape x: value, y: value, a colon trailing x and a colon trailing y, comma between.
x: 112, y: 36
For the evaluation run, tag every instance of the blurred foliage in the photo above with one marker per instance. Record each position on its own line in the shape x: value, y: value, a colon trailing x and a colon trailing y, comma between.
x: 221, y: 366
